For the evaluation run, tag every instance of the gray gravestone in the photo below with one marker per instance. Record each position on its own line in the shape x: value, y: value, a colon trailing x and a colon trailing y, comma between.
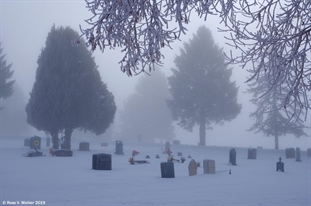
x: 192, y: 167
x: 119, y: 147
x: 101, y: 161
x: 309, y: 152
x: 35, y: 142
x: 176, y: 142
x: 63, y: 153
x: 167, y: 170
x: 252, y: 154
x: 84, y: 146
x: 27, y: 142
x: 232, y: 156
x: 209, y: 166
x: 298, y: 156
x: 290, y: 153
x: 104, y: 144
x: 179, y: 154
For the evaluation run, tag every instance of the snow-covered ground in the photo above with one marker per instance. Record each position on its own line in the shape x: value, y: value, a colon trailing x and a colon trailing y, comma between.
x: 71, y: 180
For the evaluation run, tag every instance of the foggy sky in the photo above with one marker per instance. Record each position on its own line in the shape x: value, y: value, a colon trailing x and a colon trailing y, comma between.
x: 24, y: 26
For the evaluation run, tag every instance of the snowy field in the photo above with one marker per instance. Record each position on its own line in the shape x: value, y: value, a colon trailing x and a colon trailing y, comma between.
x: 71, y: 181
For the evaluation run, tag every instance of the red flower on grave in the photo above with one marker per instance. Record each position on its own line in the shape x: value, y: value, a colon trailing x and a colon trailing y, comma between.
x: 135, y: 153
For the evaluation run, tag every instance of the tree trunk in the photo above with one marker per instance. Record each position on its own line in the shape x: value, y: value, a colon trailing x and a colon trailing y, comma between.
x: 202, y: 132
x: 68, y: 132
x: 276, y: 141
x: 55, y: 140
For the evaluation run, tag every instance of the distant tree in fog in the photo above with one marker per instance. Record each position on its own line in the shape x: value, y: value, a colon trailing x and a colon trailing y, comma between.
x: 6, y: 86
x: 201, y: 90
x: 13, y: 116
x: 270, y: 118
x: 146, y: 115
x: 68, y: 92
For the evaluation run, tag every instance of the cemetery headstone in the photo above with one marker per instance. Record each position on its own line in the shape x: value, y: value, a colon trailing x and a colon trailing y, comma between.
x: 84, y: 146
x: 157, y: 156
x: 209, y: 166
x: 27, y: 142
x: 298, y: 156
x: 101, y: 161
x: 280, y: 165
x: 176, y: 142
x: 179, y: 154
x: 192, y: 167
x: 147, y: 157
x: 119, y: 147
x: 309, y: 152
x: 167, y: 170
x: 189, y: 156
x: 252, y: 153
x: 104, y: 144
x: 62, y: 153
x: 48, y: 141
x: 35, y: 142
x: 290, y: 153
x: 232, y: 156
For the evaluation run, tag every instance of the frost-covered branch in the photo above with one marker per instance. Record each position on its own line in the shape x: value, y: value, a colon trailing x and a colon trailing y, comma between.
x: 273, y: 40
x: 269, y: 37
x: 141, y: 28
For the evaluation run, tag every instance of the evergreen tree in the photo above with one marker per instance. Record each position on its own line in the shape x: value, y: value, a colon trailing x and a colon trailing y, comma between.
x: 270, y: 117
x: 68, y: 92
x: 13, y: 117
x: 6, y: 86
x: 146, y: 115
x: 202, y: 92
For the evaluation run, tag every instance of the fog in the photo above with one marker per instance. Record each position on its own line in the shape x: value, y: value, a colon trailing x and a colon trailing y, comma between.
x: 23, y: 31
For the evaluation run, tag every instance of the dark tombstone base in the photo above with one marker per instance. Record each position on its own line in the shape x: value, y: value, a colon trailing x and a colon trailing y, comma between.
x: 63, y: 153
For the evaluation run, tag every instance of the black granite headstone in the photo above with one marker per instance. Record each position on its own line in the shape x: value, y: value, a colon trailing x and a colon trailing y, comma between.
x: 232, y: 157
x: 167, y: 170
x: 101, y: 161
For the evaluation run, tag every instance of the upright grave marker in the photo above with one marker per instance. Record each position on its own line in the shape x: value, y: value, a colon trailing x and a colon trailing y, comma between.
x: 101, y: 161
x: 298, y: 156
x: 309, y: 152
x: 84, y: 146
x: 290, y: 153
x: 35, y: 142
x: 232, y: 156
x: 119, y: 147
x: 192, y: 167
x: 209, y: 166
x: 252, y: 153
x: 167, y: 170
